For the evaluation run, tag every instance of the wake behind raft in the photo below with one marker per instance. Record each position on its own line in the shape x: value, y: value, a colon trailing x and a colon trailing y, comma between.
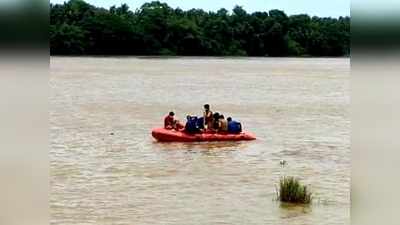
x: 170, y: 135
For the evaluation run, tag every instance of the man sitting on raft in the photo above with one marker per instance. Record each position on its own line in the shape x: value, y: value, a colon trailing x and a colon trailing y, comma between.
x: 171, y: 123
x: 223, y: 124
x: 215, y: 123
x: 234, y: 127
x: 192, y: 125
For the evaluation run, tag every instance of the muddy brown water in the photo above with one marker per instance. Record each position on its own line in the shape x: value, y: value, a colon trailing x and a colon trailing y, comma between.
x: 107, y: 169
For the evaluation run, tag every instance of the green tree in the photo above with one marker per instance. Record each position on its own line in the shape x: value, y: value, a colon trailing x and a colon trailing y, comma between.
x: 66, y: 39
x: 77, y: 27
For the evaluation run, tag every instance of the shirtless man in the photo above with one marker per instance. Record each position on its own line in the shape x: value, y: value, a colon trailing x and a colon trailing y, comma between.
x: 208, y: 117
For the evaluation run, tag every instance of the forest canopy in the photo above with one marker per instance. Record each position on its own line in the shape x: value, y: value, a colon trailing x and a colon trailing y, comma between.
x: 78, y: 28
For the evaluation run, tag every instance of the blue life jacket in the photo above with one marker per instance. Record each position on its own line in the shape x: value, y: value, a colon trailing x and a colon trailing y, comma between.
x: 191, y: 125
x: 200, y: 122
x: 234, y: 127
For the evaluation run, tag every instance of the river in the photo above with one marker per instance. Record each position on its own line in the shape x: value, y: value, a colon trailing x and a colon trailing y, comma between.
x: 107, y: 169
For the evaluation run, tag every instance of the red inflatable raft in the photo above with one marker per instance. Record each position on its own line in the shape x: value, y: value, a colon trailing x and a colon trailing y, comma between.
x: 164, y: 135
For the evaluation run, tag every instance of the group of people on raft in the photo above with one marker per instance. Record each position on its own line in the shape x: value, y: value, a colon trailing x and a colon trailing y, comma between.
x: 210, y: 123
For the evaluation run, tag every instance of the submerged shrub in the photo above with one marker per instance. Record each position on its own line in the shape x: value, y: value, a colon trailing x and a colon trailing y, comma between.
x: 292, y: 191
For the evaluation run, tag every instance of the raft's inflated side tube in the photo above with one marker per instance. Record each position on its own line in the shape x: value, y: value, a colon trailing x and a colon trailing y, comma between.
x: 164, y: 135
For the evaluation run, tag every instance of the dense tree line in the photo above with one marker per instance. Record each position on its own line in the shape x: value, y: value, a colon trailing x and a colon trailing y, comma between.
x: 157, y: 29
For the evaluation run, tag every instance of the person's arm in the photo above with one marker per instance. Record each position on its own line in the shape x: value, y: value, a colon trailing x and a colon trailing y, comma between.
x: 219, y: 125
x: 204, y: 119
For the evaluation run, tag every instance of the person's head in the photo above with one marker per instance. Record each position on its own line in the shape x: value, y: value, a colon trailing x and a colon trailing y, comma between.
x: 188, y: 117
x: 171, y: 114
x: 222, y: 116
x: 216, y: 115
x: 229, y: 119
x: 207, y: 107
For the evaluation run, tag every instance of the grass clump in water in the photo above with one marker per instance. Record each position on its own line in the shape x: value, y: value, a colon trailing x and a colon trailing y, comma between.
x: 292, y: 191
